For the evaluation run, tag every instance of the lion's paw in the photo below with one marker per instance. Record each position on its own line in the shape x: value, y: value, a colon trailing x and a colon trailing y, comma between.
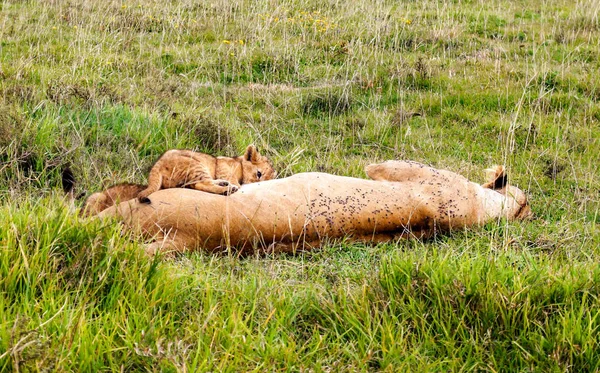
x: 231, y: 189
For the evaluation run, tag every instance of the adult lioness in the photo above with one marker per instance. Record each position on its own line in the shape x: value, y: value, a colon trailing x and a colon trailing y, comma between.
x: 299, y: 212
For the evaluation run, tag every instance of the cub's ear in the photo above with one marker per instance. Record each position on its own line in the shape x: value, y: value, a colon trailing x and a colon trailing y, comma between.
x: 251, y: 155
x: 497, y: 178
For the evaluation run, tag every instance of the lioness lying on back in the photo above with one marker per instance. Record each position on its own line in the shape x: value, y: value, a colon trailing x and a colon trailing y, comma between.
x: 404, y: 199
x: 218, y: 175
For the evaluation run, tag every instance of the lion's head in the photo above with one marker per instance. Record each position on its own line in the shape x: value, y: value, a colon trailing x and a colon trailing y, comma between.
x: 256, y: 167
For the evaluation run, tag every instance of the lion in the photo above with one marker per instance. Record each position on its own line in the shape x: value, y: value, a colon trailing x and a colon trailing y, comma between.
x: 200, y: 171
x: 403, y: 200
x: 100, y: 201
x: 249, y: 168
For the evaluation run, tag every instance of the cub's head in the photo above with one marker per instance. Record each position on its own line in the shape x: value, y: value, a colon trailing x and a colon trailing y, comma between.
x: 256, y: 167
x: 498, y: 181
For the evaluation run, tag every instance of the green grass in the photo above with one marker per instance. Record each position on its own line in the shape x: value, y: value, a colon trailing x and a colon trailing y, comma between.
x: 330, y: 86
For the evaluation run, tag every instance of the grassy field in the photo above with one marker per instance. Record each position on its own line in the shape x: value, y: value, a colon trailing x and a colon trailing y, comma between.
x: 327, y: 85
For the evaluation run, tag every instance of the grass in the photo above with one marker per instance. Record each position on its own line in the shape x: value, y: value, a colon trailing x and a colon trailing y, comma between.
x: 329, y: 86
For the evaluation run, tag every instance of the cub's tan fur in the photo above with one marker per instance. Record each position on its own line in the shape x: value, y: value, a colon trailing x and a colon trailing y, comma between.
x: 100, y: 201
x: 218, y: 175
x: 404, y: 199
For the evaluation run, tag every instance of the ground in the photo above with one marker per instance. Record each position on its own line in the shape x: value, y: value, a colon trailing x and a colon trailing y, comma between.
x: 107, y: 86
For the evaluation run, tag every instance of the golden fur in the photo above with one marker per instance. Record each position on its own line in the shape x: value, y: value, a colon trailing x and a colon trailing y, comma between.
x: 218, y: 175
x: 405, y: 199
x: 100, y: 201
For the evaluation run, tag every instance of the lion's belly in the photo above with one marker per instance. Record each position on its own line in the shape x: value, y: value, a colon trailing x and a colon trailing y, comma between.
x: 332, y: 206
x: 302, y: 209
x: 326, y: 206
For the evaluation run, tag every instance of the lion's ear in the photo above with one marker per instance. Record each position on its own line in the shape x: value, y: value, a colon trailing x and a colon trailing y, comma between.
x: 252, y: 155
x: 497, y: 178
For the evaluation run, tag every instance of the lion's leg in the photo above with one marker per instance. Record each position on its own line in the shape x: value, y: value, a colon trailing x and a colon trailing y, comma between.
x: 216, y: 186
x: 169, y: 248
x: 232, y: 174
x: 399, y: 171
x: 403, y: 171
x: 174, y: 168
x: 154, y: 184
x: 200, y: 179
x: 233, y: 181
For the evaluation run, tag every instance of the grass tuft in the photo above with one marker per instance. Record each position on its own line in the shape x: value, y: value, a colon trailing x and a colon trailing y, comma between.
x: 327, y: 103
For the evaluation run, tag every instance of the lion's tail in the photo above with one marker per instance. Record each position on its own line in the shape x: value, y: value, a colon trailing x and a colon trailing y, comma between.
x: 154, y: 184
x: 69, y: 183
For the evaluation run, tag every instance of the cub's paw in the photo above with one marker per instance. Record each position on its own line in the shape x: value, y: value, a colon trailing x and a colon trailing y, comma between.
x: 225, y: 187
x: 230, y: 190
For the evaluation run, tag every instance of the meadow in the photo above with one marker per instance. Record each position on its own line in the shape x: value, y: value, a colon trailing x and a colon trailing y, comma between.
x: 107, y: 86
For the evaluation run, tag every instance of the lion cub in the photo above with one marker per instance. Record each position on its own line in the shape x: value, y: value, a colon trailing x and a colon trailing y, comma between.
x: 218, y: 175
x: 100, y: 201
